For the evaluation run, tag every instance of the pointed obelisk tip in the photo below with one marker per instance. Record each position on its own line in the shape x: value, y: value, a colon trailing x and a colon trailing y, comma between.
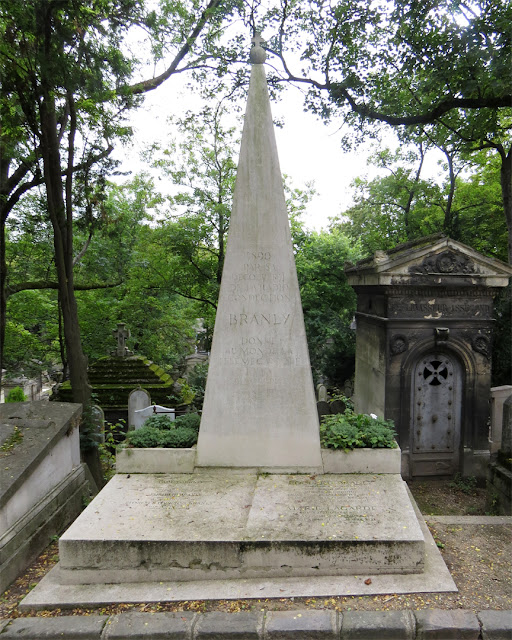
x: 258, y: 55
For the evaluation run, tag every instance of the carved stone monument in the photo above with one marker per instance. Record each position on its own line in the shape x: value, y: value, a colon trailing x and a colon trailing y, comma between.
x: 260, y: 516
x: 423, y: 350
x: 259, y: 408
x: 121, y: 334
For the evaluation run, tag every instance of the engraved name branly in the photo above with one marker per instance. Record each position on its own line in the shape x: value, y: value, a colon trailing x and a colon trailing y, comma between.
x: 260, y: 319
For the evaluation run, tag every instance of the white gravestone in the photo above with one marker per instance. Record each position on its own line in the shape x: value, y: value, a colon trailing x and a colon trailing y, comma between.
x: 138, y: 399
x: 321, y: 390
x: 142, y: 415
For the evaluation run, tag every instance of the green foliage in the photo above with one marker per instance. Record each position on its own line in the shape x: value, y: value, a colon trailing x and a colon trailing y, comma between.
x: 328, y: 301
x: 90, y: 434
x: 145, y: 437
x: 465, y: 484
x: 351, y: 430
x: 197, y: 381
x: 179, y: 438
x: 393, y: 208
x: 151, y: 437
x: 16, y: 395
x: 31, y: 333
x: 189, y: 421
x: 162, y: 422
x: 113, y: 433
x: 186, y: 392
x: 162, y: 431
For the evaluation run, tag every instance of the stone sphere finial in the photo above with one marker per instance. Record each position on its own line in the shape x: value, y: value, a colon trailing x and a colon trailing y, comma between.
x: 258, y: 55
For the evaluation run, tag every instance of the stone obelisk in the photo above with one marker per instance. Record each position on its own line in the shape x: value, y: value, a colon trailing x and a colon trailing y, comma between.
x: 259, y: 408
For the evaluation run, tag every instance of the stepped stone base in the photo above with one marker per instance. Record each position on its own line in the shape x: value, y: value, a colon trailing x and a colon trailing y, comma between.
x: 432, y: 576
x: 212, y: 525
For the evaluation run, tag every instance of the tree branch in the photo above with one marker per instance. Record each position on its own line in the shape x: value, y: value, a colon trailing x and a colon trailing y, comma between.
x: 82, y: 251
x: 46, y: 284
x: 153, y: 83
x: 339, y: 93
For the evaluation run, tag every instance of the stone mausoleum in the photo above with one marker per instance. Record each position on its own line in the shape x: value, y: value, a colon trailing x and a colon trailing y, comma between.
x: 423, y: 350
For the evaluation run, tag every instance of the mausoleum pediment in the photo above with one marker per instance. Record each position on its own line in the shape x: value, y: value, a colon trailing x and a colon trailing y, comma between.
x: 433, y: 260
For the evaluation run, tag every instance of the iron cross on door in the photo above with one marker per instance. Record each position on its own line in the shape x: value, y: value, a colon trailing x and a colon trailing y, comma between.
x: 436, y: 415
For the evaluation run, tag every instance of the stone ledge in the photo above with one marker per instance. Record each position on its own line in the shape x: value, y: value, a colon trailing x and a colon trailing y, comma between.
x: 305, y: 624
x: 302, y: 625
x: 158, y: 460
x: 217, y: 625
x: 496, y: 625
x: 151, y: 626
x: 362, y: 460
x: 64, y: 628
x: 386, y: 625
x: 440, y: 624
x: 155, y: 460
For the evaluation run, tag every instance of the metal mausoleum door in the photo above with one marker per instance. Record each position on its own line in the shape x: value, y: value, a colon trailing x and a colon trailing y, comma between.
x: 436, y: 415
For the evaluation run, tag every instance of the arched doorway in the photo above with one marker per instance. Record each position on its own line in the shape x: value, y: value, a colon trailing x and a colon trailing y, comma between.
x: 437, y: 391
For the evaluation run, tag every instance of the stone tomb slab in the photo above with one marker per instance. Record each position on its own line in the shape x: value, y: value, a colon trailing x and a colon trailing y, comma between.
x: 210, y: 526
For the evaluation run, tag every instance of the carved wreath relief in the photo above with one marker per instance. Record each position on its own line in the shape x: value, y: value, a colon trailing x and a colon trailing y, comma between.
x: 447, y: 262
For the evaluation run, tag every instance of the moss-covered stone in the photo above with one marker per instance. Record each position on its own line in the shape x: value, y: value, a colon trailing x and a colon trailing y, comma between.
x: 113, y: 378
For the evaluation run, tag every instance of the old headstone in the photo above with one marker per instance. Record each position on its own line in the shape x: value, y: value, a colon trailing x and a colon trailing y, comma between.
x: 98, y: 421
x: 141, y: 415
x: 338, y: 406
x: 321, y: 392
x: 323, y: 408
x: 259, y: 408
x: 498, y: 397
x: 138, y: 399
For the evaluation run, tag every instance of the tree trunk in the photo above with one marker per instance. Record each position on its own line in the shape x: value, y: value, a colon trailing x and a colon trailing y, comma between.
x: 62, y: 223
x: 3, y: 299
x: 4, y: 175
x: 506, y: 192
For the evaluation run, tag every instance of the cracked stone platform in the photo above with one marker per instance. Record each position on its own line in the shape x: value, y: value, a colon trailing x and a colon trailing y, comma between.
x: 221, y: 535
x: 214, y: 525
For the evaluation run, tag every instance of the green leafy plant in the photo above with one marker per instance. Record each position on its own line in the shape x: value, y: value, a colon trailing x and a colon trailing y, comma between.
x: 108, y: 447
x: 162, y: 431
x: 16, y: 395
x: 197, y: 380
x: 166, y: 423
x: 162, y: 421
x: 187, y: 392
x: 189, y: 420
x: 466, y: 485
x: 351, y: 430
x: 90, y: 434
x: 151, y: 437
x: 179, y: 438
